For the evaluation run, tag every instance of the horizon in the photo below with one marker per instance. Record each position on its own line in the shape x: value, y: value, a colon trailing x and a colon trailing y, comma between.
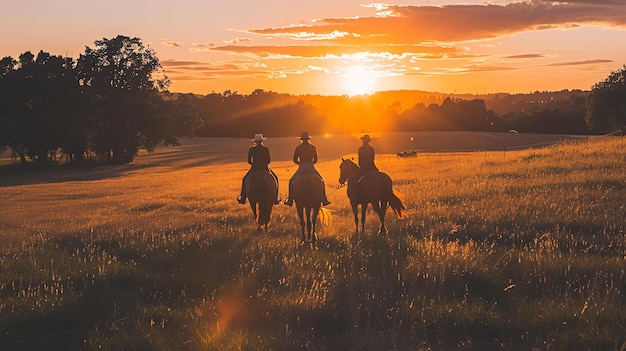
x: 349, y: 48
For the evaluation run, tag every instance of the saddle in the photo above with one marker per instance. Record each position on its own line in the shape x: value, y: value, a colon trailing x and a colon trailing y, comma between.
x: 366, y: 173
x: 264, y: 170
x: 352, y: 185
x: 297, y: 178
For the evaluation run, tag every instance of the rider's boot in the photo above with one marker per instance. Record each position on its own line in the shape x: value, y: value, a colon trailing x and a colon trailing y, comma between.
x: 325, y: 201
x: 289, y: 201
x: 241, y: 199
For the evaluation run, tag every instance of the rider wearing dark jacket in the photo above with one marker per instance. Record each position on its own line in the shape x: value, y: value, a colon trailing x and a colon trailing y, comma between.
x: 366, y: 155
x: 305, y: 156
x: 259, y: 159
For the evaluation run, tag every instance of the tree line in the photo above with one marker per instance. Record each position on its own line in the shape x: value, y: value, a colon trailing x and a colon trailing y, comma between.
x: 105, y: 105
x: 230, y: 114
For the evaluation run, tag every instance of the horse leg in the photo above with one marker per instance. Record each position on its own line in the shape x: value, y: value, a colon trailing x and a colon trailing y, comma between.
x: 253, y: 208
x: 308, y: 223
x: 355, y: 211
x: 254, y: 215
x: 381, y: 209
x: 363, y: 211
x: 314, y: 220
x: 301, y: 216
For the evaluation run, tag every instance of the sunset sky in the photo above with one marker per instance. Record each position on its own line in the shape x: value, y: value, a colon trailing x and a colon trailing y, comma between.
x: 335, y: 47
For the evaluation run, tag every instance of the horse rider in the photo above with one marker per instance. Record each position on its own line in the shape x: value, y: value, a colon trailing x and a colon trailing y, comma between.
x: 366, y: 155
x: 259, y: 159
x: 305, y: 156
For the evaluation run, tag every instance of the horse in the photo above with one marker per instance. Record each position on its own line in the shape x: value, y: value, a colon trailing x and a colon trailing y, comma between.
x: 308, y: 193
x: 262, y: 192
x: 372, y: 187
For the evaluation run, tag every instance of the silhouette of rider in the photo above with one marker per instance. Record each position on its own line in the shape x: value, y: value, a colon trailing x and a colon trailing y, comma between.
x: 259, y: 159
x: 366, y: 155
x: 305, y: 156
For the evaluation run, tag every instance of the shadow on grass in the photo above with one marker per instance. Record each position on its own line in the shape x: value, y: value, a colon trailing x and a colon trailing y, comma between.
x: 14, y: 175
x: 147, y: 283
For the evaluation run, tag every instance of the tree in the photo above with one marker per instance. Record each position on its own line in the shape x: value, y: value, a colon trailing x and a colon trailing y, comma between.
x: 119, y: 77
x: 7, y: 67
x: 37, y: 97
x: 606, y: 104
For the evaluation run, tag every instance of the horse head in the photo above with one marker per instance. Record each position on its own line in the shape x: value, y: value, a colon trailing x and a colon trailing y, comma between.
x: 346, y: 170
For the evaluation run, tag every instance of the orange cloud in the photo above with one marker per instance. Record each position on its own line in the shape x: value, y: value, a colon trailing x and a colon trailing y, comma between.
x: 455, y: 23
x: 578, y: 63
x: 171, y: 43
x: 195, y: 47
x: 191, y: 70
x: 321, y: 51
x: 525, y: 56
x: 237, y: 40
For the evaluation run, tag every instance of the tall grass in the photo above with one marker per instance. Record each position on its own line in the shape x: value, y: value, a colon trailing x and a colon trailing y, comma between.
x: 519, y: 251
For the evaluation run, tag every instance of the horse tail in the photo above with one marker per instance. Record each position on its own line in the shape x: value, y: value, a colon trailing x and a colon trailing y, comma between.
x: 324, y: 216
x: 261, y: 189
x: 396, y: 204
x: 263, y: 215
x: 266, y: 204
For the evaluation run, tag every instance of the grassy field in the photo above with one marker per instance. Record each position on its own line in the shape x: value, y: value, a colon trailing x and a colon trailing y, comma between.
x: 501, y: 251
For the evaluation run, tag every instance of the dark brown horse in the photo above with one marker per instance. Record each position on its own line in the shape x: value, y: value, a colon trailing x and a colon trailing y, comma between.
x: 372, y: 187
x: 262, y: 191
x: 308, y: 193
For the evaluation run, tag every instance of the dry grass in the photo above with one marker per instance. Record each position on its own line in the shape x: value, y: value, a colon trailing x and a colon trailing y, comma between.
x: 519, y: 251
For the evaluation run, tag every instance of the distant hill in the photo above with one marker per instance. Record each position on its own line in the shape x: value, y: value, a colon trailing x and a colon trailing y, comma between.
x: 500, y: 103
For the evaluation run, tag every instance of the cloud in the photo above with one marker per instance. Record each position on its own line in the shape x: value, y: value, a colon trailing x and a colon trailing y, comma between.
x: 525, y: 56
x: 593, y: 2
x: 237, y: 40
x: 579, y: 63
x: 195, y: 47
x: 197, y: 70
x: 334, y: 51
x: 455, y: 23
x: 171, y: 43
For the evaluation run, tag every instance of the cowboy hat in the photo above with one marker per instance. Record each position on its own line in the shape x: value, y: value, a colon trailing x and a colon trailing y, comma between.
x: 304, y: 136
x: 366, y: 137
x: 259, y: 137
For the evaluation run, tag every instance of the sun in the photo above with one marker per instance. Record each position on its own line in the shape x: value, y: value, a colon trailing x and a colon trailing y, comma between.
x: 359, y: 80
